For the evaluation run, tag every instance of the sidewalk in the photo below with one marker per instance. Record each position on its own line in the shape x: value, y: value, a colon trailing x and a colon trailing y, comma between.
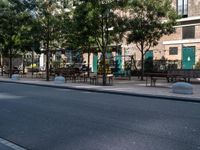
x: 133, y: 87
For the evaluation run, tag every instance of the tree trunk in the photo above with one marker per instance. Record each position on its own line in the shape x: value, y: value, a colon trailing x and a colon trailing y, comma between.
x: 23, y: 65
x: 32, y: 63
x: 104, y: 66
x: 142, y: 65
x: 88, y: 71
x: 47, y: 50
x: 10, y: 61
x: 2, y: 64
x: 47, y: 62
x: 142, y: 61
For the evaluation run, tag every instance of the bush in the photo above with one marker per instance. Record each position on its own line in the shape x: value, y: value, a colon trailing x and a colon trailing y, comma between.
x: 197, y: 65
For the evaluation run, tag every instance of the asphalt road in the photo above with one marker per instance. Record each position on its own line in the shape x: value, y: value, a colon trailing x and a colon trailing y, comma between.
x: 42, y: 118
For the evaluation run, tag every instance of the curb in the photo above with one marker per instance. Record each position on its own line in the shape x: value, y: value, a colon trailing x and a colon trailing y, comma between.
x: 172, y: 98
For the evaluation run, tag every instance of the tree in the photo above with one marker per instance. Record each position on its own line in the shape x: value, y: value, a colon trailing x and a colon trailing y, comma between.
x: 83, y: 29
x: 99, y: 18
x: 18, y: 24
x: 51, y: 17
x: 29, y: 39
x: 148, y: 21
x: 13, y: 16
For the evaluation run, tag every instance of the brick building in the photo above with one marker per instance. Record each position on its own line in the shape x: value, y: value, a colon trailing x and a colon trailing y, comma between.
x: 184, y: 45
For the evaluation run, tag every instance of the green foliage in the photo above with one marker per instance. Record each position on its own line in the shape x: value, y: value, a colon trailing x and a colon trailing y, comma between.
x: 94, y: 19
x: 83, y: 26
x: 16, y: 27
x: 197, y: 65
x: 149, y: 20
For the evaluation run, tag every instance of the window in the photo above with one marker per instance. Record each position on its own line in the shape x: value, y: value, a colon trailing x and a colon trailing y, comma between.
x: 188, y: 32
x: 173, y: 51
x: 182, y: 8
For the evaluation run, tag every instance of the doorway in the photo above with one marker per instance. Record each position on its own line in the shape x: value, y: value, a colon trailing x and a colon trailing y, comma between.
x: 188, y: 57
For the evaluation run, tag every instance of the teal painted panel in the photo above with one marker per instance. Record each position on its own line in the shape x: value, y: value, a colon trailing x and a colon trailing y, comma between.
x: 95, y: 62
x: 118, y: 61
x: 188, y: 57
x: 149, y: 55
x: 148, y: 63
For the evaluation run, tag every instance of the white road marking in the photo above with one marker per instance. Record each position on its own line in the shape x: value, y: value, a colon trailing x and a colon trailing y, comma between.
x: 9, y: 96
x: 11, y: 145
x: 64, y: 90
x: 87, y: 92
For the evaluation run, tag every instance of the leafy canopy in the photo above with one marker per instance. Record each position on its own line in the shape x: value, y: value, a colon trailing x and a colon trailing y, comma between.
x: 149, y: 21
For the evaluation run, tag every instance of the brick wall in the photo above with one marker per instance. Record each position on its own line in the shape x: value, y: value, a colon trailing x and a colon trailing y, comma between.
x: 197, y: 31
x: 193, y: 8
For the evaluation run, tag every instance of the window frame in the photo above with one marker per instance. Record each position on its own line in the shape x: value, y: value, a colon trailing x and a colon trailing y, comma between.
x: 173, y: 50
x: 192, y: 32
x: 184, y: 12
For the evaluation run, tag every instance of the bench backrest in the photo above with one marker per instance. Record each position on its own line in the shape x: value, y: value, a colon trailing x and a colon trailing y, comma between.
x: 189, y: 73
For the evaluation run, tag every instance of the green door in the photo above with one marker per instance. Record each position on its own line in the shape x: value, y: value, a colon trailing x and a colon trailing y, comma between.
x: 95, y: 62
x: 118, y: 61
x: 149, y: 55
x: 148, y: 63
x: 188, y: 57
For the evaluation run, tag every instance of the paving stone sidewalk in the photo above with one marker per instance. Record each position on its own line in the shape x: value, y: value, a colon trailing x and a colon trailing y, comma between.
x: 134, y: 86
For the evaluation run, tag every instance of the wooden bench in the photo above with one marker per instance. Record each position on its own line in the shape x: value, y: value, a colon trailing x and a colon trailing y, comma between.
x: 154, y: 77
x: 185, y: 74
x: 173, y: 76
x: 40, y: 74
x: 110, y: 79
x: 23, y: 75
x: 83, y: 77
x: 94, y: 79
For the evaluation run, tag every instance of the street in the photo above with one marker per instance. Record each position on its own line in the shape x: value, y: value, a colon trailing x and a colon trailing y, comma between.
x: 42, y: 118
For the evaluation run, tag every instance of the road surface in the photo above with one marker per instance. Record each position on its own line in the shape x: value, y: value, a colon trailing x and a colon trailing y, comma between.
x: 42, y: 118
